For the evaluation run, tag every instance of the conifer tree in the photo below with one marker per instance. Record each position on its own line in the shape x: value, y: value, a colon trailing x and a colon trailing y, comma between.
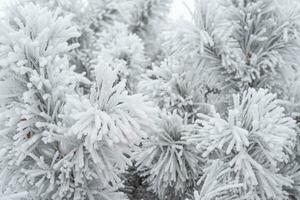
x: 169, y: 162
x: 122, y: 51
x: 248, y: 43
x: 110, y: 100
x: 148, y: 20
x: 246, y: 150
x: 57, y: 142
x: 213, y: 47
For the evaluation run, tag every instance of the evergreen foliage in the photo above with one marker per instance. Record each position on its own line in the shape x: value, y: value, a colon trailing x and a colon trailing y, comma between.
x: 51, y: 150
x: 112, y: 100
x: 167, y: 160
x: 246, y: 149
x: 123, y: 51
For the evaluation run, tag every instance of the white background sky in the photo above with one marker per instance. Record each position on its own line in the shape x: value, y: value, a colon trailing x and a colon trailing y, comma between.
x: 179, y: 10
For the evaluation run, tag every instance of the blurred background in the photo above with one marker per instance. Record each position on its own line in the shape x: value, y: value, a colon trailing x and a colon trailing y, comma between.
x: 179, y: 10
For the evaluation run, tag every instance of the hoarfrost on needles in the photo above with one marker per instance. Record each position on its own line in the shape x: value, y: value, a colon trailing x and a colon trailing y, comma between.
x: 111, y: 100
